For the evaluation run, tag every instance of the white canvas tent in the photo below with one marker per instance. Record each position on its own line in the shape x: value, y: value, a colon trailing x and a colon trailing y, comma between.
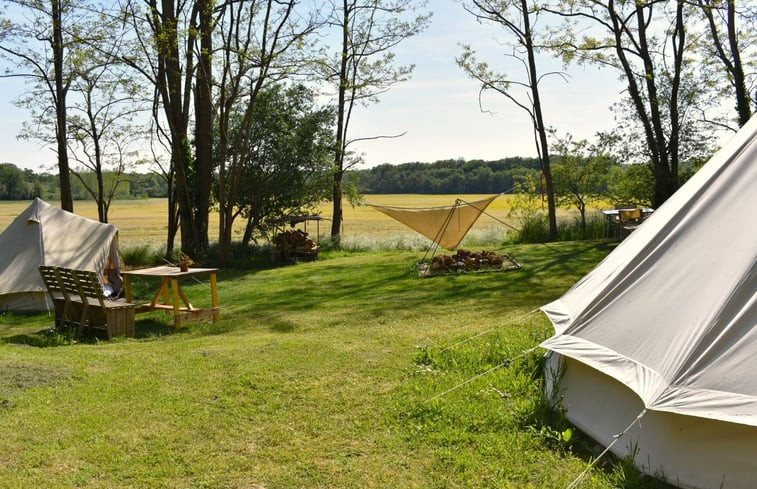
x: 667, y: 323
x: 45, y: 235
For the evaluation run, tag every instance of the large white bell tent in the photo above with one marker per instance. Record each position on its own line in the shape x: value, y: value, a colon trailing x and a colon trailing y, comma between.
x: 45, y: 235
x: 665, y: 328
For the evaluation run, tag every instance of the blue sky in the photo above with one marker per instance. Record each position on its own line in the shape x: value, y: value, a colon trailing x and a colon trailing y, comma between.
x: 438, y: 108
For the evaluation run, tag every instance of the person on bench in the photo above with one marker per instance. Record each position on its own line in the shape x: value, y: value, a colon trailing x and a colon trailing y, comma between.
x: 112, y: 284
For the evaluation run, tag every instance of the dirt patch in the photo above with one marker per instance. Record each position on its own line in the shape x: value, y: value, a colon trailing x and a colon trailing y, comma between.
x: 15, y: 377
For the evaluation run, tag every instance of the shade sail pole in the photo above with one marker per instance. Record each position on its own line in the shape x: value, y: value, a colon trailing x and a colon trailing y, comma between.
x: 441, y: 232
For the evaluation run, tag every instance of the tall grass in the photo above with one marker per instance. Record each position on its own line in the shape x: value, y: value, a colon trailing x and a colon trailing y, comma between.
x: 534, y: 228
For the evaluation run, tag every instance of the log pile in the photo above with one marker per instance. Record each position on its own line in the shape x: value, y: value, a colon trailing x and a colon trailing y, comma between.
x: 291, y: 245
x: 467, y: 261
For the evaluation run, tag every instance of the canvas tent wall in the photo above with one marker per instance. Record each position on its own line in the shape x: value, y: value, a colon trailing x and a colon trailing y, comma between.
x: 45, y: 235
x: 667, y: 323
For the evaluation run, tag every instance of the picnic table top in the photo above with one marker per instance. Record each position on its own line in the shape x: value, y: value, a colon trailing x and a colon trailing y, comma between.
x: 168, y: 271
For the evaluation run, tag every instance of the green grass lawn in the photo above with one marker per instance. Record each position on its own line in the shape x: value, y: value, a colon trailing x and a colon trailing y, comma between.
x: 318, y: 375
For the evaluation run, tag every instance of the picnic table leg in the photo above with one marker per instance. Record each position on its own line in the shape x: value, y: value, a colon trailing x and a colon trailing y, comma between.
x: 127, y: 287
x: 186, y: 300
x: 214, y: 295
x: 175, y: 290
x: 162, y: 291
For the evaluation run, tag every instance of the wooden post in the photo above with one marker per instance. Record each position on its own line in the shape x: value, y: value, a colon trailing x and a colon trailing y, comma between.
x: 214, y: 296
x: 127, y: 287
x: 175, y: 290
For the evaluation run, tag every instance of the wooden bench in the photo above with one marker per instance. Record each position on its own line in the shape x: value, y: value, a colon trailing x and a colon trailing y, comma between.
x: 79, y: 300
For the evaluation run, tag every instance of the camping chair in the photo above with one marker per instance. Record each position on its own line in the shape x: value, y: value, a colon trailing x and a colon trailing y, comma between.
x: 628, y: 220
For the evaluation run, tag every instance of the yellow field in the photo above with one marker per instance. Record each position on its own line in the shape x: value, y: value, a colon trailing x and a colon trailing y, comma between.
x: 144, y: 221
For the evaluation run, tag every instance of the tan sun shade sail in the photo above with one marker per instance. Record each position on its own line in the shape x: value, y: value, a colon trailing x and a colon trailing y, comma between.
x: 445, y: 226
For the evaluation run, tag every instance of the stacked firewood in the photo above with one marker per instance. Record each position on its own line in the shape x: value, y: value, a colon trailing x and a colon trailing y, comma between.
x: 294, y: 239
x: 293, y: 245
x: 465, y: 260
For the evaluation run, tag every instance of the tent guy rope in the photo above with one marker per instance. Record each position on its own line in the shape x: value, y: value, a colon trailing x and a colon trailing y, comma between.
x: 617, y: 437
x: 478, y: 376
x: 477, y: 335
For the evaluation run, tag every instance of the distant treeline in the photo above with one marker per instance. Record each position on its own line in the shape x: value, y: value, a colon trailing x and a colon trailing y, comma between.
x: 440, y: 177
x: 445, y: 177
x: 18, y: 184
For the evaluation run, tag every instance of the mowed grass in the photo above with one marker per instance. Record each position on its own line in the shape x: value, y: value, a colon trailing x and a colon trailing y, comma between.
x: 318, y: 375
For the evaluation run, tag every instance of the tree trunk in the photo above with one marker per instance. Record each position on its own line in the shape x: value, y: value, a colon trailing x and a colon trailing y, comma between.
x: 339, y: 144
x: 203, y: 128
x: 175, y: 99
x: 102, y: 212
x: 539, y: 122
x: 173, y: 218
x: 66, y: 198
x: 337, y: 213
x: 739, y: 79
x: 582, y: 211
x: 248, y: 230
x: 182, y: 166
x: 651, y: 118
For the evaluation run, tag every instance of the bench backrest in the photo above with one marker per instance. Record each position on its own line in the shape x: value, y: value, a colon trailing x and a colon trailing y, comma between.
x: 89, y: 284
x: 50, y: 279
x: 72, y: 283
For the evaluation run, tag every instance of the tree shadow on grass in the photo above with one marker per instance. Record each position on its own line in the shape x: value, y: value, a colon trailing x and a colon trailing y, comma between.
x: 368, y: 287
x: 154, y: 327
x: 362, y: 289
x: 52, y: 337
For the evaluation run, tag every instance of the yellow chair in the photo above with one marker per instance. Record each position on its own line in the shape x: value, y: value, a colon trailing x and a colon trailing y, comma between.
x: 628, y: 220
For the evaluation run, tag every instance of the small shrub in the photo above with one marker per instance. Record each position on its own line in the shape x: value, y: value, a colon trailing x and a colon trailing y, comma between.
x: 534, y: 229
x: 570, y: 229
x: 487, y: 237
x: 142, y: 255
x: 246, y: 257
x: 527, y: 209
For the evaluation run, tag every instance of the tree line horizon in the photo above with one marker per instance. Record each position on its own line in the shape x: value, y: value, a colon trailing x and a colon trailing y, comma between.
x: 447, y: 176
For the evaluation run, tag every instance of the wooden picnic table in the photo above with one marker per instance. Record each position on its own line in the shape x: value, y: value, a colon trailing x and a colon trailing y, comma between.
x: 170, y: 297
